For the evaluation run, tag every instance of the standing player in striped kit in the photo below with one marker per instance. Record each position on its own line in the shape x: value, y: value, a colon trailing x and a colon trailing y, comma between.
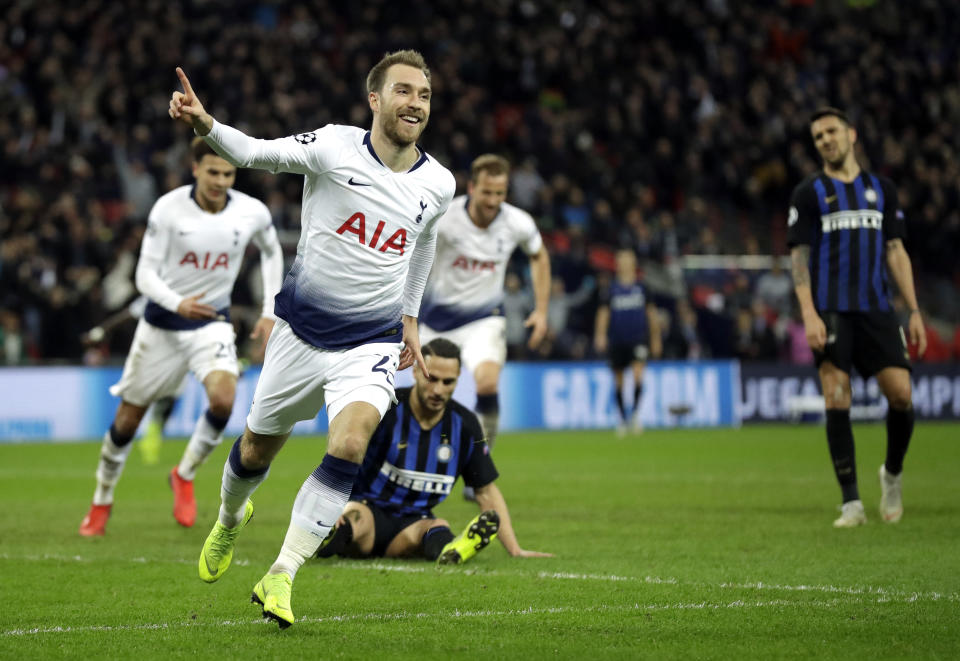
x: 846, y: 230
x: 371, y: 201
x: 628, y: 325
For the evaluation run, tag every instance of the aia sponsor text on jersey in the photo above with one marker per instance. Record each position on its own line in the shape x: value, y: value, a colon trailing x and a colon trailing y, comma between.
x: 221, y: 260
x: 357, y: 224
x: 469, y: 264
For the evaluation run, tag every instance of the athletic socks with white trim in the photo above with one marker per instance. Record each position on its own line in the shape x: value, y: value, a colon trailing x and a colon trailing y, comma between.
x: 113, y: 456
x: 316, y: 509
x: 207, y: 435
x: 237, y: 486
x: 488, y: 410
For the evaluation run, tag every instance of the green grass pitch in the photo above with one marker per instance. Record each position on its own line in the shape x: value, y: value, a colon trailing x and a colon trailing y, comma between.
x: 673, y: 544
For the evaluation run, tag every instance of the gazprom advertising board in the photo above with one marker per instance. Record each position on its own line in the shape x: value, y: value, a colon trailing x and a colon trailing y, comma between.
x: 73, y: 403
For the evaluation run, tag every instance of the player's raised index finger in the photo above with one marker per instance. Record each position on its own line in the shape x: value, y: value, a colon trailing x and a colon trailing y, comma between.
x: 185, y: 82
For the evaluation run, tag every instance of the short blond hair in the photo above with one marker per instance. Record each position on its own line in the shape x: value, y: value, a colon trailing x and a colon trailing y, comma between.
x: 492, y: 164
x: 378, y: 74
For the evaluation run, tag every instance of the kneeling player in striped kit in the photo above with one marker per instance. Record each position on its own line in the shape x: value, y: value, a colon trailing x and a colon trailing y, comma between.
x: 416, y: 454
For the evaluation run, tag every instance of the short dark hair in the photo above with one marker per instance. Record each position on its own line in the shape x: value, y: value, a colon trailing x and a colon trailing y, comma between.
x: 830, y: 111
x: 199, y: 148
x: 378, y: 74
x: 441, y: 348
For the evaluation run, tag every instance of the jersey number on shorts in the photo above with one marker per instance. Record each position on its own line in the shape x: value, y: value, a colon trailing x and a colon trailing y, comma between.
x: 226, y: 350
x: 379, y: 368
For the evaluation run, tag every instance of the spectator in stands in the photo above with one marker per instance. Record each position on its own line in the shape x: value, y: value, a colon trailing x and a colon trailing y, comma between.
x: 683, y: 92
x: 775, y: 289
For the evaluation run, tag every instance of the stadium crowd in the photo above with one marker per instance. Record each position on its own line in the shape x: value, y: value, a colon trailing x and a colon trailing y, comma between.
x: 675, y: 127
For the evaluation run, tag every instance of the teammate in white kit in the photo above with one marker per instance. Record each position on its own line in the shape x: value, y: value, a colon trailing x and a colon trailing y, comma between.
x: 464, y: 294
x: 371, y: 200
x: 189, y: 260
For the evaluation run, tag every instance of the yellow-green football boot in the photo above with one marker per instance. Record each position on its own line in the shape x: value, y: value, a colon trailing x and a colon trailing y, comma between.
x: 273, y: 595
x: 217, y: 551
x: 477, y: 535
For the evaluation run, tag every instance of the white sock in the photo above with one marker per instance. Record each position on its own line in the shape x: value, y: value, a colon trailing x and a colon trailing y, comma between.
x: 235, y: 491
x: 491, y: 424
x: 319, y: 504
x: 112, y: 460
x: 203, y: 442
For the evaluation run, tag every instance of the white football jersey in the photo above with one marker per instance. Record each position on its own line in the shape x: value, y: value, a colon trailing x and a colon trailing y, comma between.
x: 466, y: 282
x: 188, y: 251
x: 367, y: 233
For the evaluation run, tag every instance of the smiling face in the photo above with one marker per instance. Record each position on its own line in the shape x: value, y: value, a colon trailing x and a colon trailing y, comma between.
x: 401, y: 108
x: 834, y: 140
x: 215, y: 177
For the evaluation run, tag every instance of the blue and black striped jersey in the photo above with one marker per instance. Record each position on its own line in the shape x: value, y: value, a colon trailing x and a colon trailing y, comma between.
x: 628, y: 313
x: 847, y: 226
x: 409, y: 470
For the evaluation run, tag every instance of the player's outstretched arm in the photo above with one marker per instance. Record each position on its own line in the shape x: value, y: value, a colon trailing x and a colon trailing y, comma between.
x: 656, y: 336
x: 814, y: 327
x: 490, y: 498
x: 902, y: 269
x: 540, y: 275
x: 186, y: 107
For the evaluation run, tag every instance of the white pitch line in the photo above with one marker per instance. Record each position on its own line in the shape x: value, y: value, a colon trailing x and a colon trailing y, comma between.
x: 368, y: 565
x: 455, y: 614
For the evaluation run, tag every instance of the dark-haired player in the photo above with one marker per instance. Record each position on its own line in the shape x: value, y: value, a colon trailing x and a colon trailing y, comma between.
x: 414, y: 458
x: 846, y: 231
x: 189, y: 261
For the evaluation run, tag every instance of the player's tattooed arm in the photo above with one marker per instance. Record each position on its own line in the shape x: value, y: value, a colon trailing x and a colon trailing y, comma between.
x: 799, y: 260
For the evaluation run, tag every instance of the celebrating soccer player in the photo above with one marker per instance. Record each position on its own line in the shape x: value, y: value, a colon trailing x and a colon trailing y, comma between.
x: 417, y: 452
x: 465, y: 292
x: 371, y: 200
x: 191, y: 254
x: 846, y: 231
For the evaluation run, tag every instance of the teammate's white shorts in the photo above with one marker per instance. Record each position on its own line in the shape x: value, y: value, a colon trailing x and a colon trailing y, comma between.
x: 479, y: 341
x: 298, y: 377
x: 159, y: 359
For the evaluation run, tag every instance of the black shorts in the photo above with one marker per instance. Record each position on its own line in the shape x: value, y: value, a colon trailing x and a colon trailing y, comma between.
x: 622, y: 355
x: 868, y: 341
x: 387, y: 525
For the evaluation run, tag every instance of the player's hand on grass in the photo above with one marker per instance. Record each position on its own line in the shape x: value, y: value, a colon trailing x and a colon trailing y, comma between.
x: 186, y: 107
x: 538, y: 322
x: 192, y: 308
x: 918, y: 336
x: 816, y: 331
x: 523, y: 553
x: 411, y: 346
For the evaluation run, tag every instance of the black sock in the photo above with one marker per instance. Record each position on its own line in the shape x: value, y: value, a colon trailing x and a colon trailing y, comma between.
x: 434, y: 540
x: 637, y: 394
x: 119, y: 439
x: 337, y: 541
x: 840, y: 440
x: 899, y: 430
x: 623, y: 411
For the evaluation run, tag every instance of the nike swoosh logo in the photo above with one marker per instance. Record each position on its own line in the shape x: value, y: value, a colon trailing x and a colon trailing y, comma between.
x: 830, y: 199
x: 356, y: 183
x: 400, y: 446
x: 212, y: 570
x: 182, y: 233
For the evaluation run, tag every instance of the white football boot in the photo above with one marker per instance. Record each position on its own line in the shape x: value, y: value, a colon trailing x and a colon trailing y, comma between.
x: 891, y: 502
x: 851, y: 515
